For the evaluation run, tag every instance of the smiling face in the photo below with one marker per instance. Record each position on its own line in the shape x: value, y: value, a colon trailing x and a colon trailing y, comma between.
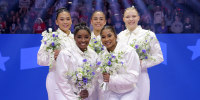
x: 64, y: 21
x: 82, y: 39
x: 98, y: 20
x: 131, y: 19
x: 108, y: 39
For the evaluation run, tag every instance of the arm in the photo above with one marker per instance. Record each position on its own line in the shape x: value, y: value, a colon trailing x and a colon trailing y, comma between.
x: 125, y: 82
x: 42, y: 56
x: 155, y: 52
x: 63, y: 65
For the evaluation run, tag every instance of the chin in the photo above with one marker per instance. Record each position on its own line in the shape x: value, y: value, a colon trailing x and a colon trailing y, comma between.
x: 108, y: 47
x: 99, y: 28
x: 84, y: 47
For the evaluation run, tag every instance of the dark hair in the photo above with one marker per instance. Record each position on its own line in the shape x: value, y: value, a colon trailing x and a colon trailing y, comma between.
x: 110, y: 28
x: 81, y: 26
x: 100, y: 12
x: 60, y: 10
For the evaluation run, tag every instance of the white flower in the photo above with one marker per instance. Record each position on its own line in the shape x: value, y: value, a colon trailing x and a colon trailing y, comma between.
x: 79, y: 69
x: 107, y: 69
x: 45, y: 39
x: 111, y: 62
x: 79, y: 75
x: 50, y: 30
x: 88, y: 85
x: 81, y: 83
x: 74, y: 78
x: 44, y: 33
x: 50, y: 51
x: 116, y: 65
x: 98, y: 69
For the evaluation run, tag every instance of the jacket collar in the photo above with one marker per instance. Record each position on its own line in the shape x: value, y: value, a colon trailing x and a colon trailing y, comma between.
x: 79, y: 50
x: 70, y: 34
x: 117, y: 48
x: 135, y: 32
x: 94, y: 36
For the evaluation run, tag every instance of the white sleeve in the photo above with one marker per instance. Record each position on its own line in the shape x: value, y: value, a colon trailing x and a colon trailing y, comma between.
x: 125, y: 82
x: 120, y: 37
x: 42, y: 56
x: 63, y: 65
x: 156, y: 54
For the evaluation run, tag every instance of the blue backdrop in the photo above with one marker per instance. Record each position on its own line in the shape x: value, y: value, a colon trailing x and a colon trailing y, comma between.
x: 177, y: 78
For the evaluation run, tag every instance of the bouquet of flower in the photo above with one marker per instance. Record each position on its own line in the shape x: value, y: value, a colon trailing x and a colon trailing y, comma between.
x: 111, y: 63
x: 82, y: 77
x: 143, y: 46
x: 51, y: 41
x: 96, y: 45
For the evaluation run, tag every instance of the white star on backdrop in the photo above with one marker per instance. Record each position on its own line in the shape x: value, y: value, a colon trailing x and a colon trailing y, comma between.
x: 2, y: 61
x: 195, y: 49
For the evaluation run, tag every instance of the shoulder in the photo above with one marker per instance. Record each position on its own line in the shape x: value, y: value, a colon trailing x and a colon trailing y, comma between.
x: 67, y: 52
x: 122, y: 33
x: 125, y: 48
x: 129, y: 49
x: 148, y: 32
x: 92, y: 52
x: 71, y: 35
x: 129, y: 52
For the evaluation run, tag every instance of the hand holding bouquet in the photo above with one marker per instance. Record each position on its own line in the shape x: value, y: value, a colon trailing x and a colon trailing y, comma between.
x: 52, y: 42
x: 82, y: 78
x: 111, y: 63
x: 143, y: 47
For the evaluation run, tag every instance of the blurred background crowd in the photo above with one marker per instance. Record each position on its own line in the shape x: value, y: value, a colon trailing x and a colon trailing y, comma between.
x: 160, y: 16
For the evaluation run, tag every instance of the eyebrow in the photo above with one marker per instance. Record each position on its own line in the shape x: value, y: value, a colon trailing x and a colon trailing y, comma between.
x: 97, y: 17
x: 109, y: 33
x: 65, y: 17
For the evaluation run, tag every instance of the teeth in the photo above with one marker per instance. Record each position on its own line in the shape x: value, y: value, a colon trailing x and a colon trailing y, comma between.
x: 83, y: 43
x: 65, y: 25
x: 98, y: 25
x: 108, y: 43
x: 131, y: 23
